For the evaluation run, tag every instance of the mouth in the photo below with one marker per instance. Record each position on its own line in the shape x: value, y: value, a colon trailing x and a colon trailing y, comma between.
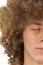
x: 40, y: 49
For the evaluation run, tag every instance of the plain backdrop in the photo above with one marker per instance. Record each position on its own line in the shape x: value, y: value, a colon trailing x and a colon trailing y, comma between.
x: 3, y: 3
x: 3, y: 57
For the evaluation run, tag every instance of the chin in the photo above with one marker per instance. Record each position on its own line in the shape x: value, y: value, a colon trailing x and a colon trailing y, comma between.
x: 39, y: 58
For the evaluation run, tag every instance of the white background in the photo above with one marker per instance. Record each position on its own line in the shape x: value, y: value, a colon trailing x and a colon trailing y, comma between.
x: 3, y: 3
x: 3, y: 57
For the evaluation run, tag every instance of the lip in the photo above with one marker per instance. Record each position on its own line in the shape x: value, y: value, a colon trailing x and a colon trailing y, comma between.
x: 39, y: 49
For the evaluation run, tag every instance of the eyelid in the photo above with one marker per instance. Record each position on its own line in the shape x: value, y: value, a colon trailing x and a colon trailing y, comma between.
x: 36, y: 29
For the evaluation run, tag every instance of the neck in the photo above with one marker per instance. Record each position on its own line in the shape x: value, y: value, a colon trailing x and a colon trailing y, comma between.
x: 28, y: 60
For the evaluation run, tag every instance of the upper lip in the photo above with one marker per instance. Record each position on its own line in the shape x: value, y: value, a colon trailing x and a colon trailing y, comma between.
x: 39, y: 48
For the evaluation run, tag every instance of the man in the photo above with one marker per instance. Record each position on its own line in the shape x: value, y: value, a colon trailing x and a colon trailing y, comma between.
x: 23, y: 32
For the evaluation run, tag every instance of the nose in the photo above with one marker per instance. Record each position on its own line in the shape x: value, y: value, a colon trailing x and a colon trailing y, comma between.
x: 41, y: 35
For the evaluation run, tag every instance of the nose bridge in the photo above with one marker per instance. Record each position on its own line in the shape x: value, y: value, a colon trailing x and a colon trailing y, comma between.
x: 42, y: 28
x: 41, y: 33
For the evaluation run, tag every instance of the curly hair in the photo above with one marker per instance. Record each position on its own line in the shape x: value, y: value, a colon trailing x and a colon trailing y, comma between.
x: 15, y: 17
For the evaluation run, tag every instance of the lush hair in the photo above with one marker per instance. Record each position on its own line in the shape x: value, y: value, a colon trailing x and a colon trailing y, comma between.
x: 15, y: 17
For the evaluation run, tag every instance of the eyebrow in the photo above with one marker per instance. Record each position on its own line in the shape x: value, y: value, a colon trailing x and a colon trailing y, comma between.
x: 37, y: 23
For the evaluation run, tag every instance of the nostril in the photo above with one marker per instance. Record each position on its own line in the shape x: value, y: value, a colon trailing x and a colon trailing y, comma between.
x: 41, y: 40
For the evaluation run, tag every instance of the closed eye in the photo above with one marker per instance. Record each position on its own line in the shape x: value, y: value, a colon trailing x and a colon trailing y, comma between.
x: 37, y: 29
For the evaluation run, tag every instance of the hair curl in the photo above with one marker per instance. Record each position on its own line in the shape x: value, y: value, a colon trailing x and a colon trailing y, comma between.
x: 15, y: 17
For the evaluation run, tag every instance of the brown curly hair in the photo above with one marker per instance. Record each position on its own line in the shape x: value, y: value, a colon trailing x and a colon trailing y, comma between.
x: 15, y: 17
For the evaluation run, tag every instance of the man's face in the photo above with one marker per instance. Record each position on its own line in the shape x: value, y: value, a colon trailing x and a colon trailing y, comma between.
x: 33, y: 41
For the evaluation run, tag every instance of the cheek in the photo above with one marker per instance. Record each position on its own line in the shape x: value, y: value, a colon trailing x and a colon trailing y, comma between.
x: 30, y: 39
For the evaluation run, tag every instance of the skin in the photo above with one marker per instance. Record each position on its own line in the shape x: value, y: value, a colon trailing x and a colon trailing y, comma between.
x: 33, y: 39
